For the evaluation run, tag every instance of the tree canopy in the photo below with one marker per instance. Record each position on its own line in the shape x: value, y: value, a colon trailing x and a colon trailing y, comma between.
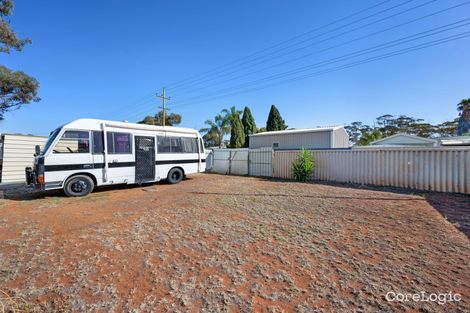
x: 249, y: 125
x: 231, y: 113
x: 463, y: 127
x: 170, y: 119
x: 16, y: 87
x: 369, y: 137
x: 216, y: 130
x: 275, y: 121
x: 237, y: 135
x: 388, y: 125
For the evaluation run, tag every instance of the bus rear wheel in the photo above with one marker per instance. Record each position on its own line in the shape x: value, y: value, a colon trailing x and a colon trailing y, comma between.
x: 175, y: 175
x: 78, y: 186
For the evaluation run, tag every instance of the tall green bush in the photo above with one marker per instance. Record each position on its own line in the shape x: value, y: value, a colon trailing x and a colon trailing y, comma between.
x: 275, y: 121
x: 249, y: 125
x: 237, y: 135
x: 302, y: 168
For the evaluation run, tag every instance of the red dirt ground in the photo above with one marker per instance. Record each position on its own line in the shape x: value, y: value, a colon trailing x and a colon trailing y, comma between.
x: 232, y: 244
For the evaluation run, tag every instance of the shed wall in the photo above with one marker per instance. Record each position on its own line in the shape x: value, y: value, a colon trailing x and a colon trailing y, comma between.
x: 18, y: 151
x: 312, y: 140
x: 340, y: 138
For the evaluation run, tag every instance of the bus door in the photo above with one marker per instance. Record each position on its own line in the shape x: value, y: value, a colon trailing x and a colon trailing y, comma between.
x: 144, y: 159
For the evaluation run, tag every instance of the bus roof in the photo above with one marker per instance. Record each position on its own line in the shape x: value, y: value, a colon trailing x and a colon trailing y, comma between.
x: 95, y: 124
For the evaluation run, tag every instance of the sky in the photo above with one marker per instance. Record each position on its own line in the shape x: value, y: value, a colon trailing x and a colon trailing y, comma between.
x: 108, y: 59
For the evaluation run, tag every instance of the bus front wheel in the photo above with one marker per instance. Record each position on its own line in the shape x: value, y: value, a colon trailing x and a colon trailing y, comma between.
x: 78, y: 186
x: 175, y: 175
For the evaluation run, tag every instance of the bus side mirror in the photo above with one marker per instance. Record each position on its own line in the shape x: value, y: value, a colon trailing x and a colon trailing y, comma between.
x: 37, y: 150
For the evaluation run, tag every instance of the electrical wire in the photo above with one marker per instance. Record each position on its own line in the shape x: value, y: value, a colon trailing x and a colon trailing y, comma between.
x: 345, y: 66
x: 237, y: 66
x: 376, y: 48
x: 325, y: 49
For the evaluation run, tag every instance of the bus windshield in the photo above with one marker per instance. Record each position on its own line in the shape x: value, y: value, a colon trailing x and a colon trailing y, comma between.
x: 51, y: 139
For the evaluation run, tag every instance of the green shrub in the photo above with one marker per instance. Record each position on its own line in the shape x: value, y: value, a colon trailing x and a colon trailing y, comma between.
x: 302, y: 168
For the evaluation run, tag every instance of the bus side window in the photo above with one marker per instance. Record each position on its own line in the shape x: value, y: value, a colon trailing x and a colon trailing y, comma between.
x: 163, y: 144
x: 119, y: 143
x: 98, y: 142
x: 189, y: 145
x: 73, y: 141
x: 175, y: 145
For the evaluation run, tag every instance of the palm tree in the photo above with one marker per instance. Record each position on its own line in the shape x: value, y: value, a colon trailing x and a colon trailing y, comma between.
x: 231, y: 113
x: 462, y: 105
x: 218, y: 128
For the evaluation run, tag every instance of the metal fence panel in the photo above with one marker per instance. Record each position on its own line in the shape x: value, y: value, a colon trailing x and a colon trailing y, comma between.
x: 438, y: 169
x: 238, y: 162
x: 260, y: 162
x: 229, y: 161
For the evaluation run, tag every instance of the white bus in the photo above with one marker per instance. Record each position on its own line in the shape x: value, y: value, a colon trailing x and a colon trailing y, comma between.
x: 88, y: 152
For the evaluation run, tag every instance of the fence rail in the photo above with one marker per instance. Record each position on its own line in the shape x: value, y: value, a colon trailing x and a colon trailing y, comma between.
x: 437, y: 169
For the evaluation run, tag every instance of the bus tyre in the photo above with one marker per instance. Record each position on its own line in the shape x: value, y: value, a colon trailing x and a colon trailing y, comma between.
x: 175, y: 175
x: 78, y: 186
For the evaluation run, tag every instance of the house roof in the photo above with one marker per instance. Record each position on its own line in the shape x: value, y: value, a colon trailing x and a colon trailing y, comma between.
x: 298, y: 131
x: 455, y: 141
x: 427, y: 140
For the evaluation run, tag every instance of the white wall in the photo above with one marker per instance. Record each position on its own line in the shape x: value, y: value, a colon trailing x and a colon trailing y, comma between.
x: 18, y: 151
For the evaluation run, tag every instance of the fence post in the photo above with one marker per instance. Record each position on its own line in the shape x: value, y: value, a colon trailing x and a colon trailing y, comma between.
x: 466, y: 155
x: 272, y: 162
x: 230, y: 162
x: 248, y: 163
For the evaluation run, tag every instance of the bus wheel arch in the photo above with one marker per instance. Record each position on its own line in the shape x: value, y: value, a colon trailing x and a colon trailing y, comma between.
x: 79, y: 184
x: 175, y: 175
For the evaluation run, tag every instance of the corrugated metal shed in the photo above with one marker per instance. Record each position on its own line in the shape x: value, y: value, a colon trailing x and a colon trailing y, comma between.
x: 309, y: 138
x: 17, y: 153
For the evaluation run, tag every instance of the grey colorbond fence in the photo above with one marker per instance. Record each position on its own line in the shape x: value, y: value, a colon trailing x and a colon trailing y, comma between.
x: 444, y: 169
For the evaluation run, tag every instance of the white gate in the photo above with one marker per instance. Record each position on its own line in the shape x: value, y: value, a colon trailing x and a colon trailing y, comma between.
x: 230, y: 161
x: 261, y: 162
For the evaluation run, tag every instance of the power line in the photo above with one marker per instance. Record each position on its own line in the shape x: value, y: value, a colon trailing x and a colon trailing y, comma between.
x: 434, y: 31
x: 326, y: 49
x: 236, y: 66
x: 345, y: 66
x: 329, y: 24
x: 286, y: 41
x: 344, y: 57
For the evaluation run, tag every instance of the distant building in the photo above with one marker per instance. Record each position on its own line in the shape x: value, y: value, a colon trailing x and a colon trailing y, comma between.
x: 404, y: 140
x: 308, y: 138
x: 16, y: 153
x: 455, y: 141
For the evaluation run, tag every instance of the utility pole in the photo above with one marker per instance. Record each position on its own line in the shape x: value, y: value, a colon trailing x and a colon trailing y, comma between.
x: 164, y: 98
